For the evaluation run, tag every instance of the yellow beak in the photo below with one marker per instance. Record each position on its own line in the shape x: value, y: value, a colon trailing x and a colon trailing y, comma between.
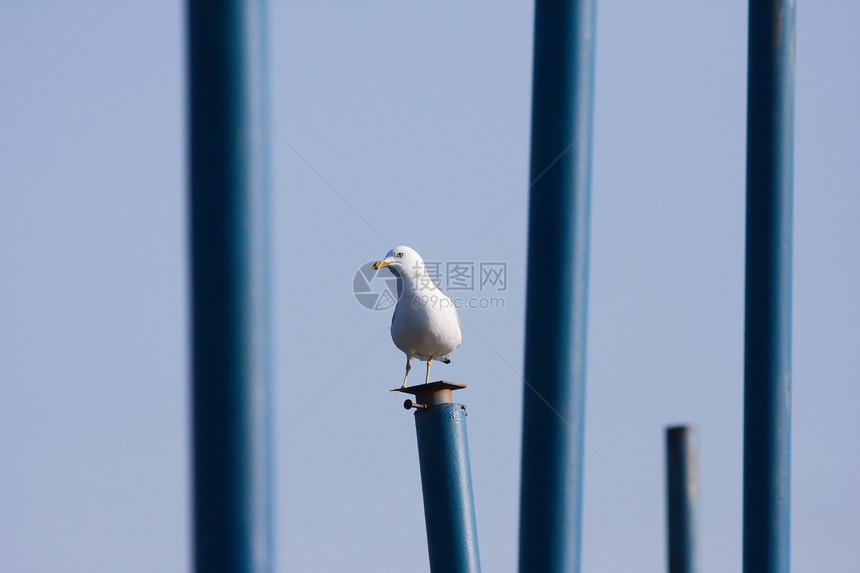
x: 379, y: 265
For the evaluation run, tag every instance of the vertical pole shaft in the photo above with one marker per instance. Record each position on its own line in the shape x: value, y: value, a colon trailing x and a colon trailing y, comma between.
x: 229, y: 287
x: 682, y: 491
x: 446, y: 480
x: 554, y: 393
x: 767, y: 321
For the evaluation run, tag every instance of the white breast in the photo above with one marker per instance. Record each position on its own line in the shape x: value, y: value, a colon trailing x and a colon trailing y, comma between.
x: 426, y: 325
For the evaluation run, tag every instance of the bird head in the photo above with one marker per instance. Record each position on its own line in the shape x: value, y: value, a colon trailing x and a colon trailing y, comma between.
x: 402, y: 261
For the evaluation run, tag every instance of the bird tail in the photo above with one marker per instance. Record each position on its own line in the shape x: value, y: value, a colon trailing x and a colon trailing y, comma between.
x: 445, y: 360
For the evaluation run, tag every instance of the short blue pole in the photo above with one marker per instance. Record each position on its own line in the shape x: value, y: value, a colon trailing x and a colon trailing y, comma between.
x: 446, y: 479
x: 682, y: 491
x: 556, y: 313
x: 767, y: 335
x: 231, y: 345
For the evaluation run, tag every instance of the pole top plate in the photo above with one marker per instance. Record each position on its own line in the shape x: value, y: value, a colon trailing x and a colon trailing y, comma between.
x: 432, y: 393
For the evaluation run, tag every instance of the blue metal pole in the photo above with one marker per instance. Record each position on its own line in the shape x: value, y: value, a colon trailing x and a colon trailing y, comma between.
x: 682, y: 491
x: 446, y: 480
x: 229, y: 196
x: 554, y: 394
x: 767, y: 336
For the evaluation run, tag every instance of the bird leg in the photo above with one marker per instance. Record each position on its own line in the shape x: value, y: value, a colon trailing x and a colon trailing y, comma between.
x: 408, y: 368
x: 429, y: 362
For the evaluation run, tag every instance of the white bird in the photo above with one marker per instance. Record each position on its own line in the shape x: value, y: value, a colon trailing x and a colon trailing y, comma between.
x: 425, y: 324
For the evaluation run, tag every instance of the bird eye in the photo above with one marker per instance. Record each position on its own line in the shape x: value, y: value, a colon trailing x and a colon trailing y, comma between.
x: 399, y: 255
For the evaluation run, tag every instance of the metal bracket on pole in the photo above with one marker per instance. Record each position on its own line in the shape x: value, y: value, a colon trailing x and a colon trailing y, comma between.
x: 446, y: 480
x: 432, y: 394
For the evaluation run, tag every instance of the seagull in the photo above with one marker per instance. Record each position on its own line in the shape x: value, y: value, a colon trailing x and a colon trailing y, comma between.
x: 425, y: 324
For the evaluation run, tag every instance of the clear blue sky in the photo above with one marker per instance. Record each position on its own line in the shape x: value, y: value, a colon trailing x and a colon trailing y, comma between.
x: 418, y: 117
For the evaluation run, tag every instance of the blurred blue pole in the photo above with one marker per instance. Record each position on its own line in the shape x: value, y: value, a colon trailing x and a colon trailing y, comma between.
x: 446, y: 479
x: 231, y: 343
x: 767, y: 322
x: 682, y: 499
x: 554, y: 394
